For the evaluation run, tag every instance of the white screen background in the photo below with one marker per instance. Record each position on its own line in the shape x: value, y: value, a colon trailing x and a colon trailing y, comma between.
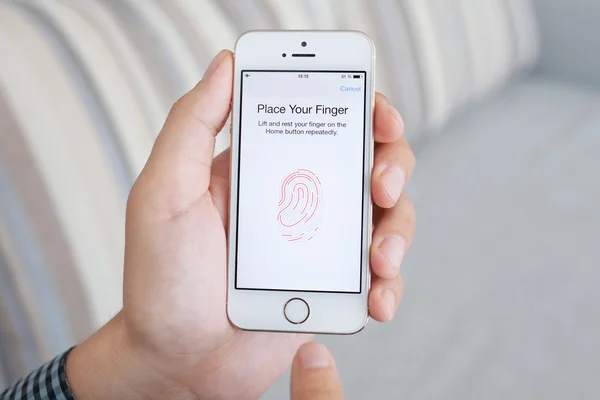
x: 331, y: 260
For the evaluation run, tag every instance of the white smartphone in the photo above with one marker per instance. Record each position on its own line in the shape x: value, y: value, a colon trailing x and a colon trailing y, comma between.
x: 301, y: 160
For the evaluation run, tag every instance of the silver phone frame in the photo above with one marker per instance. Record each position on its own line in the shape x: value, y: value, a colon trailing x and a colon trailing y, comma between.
x: 237, y: 296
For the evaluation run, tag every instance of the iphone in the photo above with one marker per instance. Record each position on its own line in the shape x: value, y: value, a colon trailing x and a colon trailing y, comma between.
x: 301, y: 160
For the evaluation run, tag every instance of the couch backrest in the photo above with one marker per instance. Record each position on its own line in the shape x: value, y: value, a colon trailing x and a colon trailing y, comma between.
x: 86, y: 85
x: 449, y: 53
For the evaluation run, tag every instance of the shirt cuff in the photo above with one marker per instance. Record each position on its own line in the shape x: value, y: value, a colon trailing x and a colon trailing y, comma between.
x: 47, y: 382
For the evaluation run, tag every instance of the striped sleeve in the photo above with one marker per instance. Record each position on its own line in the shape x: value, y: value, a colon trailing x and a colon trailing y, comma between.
x: 47, y: 382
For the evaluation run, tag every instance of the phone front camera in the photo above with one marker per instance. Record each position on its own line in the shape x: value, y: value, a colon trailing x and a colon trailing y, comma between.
x: 284, y: 55
x: 303, y: 44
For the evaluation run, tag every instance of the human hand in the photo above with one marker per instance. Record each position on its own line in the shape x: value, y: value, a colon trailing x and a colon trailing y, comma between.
x: 314, y: 374
x: 172, y: 338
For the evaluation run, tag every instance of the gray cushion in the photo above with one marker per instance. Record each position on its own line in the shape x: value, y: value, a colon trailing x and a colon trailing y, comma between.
x: 569, y: 32
x: 501, y: 284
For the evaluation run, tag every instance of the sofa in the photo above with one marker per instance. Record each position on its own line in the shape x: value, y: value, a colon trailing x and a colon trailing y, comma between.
x: 501, y: 100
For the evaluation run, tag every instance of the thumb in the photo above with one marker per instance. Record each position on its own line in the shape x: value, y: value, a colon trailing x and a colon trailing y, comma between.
x: 180, y: 164
x: 314, y: 375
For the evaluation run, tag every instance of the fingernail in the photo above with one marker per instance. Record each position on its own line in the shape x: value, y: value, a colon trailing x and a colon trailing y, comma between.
x: 392, y: 248
x: 396, y: 114
x: 314, y: 355
x: 214, y: 64
x: 390, y: 300
x: 393, y: 182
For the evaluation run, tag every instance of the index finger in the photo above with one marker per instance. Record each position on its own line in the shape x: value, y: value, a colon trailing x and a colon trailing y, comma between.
x: 388, y: 124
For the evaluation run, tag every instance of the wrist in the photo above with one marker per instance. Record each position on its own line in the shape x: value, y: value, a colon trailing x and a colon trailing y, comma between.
x: 107, y: 366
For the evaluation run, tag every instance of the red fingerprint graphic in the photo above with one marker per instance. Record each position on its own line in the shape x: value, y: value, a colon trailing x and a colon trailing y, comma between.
x: 300, y: 206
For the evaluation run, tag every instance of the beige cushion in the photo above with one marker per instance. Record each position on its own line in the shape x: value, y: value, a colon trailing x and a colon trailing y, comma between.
x: 86, y: 86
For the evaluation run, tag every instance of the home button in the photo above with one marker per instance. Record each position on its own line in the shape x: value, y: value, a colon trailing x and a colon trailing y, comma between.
x: 296, y: 311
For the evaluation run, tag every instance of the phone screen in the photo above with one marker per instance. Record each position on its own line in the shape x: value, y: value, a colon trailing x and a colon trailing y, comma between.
x: 300, y: 181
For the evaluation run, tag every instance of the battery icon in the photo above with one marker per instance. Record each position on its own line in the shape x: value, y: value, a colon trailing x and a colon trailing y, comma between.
x: 356, y: 76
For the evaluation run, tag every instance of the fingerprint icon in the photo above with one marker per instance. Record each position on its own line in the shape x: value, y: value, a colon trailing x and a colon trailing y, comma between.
x: 300, y: 206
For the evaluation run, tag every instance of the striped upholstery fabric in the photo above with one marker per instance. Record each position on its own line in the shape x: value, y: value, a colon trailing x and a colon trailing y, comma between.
x: 86, y: 85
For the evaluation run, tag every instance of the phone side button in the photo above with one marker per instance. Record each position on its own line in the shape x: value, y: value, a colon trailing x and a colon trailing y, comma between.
x: 296, y: 311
